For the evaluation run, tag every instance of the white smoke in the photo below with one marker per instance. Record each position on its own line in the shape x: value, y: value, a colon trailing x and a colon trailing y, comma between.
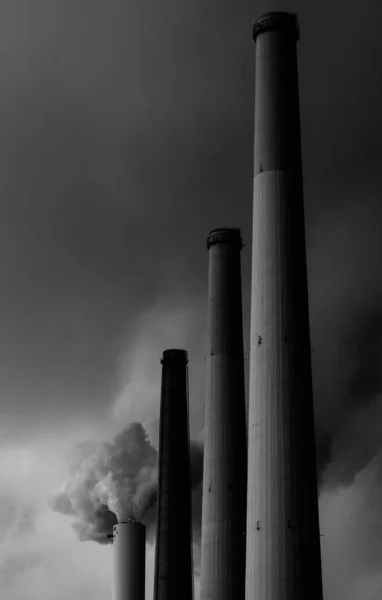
x: 109, y: 482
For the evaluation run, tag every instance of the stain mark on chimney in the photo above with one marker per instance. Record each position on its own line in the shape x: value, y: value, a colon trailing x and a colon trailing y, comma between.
x: 210, y: 486
x: 260, y: 340
x: 258, y: 525
x: 286, y: 338
x: 261, y: 168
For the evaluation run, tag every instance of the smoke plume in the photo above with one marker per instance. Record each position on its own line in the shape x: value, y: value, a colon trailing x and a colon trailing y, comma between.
x: 109, y: 482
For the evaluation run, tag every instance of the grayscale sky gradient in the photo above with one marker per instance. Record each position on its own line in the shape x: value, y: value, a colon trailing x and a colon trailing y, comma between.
x: 126, y: 134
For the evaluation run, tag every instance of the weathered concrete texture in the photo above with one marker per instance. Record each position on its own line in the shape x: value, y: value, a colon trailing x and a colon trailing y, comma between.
x: 129, y: 561
x: 283, y: 543
x: 225, y: 445
x: 173, y: 577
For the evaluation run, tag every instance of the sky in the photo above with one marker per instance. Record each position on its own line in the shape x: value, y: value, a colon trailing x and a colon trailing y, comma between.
x: 126, y: 134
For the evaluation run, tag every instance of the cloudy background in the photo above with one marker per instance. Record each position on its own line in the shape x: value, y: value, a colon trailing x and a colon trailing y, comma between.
x: 126, y: 130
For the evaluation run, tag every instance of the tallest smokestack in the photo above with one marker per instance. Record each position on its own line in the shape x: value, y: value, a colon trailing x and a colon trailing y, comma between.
x: 283, y: 543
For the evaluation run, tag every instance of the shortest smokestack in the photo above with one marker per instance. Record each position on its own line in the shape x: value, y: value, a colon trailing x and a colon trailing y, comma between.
x: 129, y: 560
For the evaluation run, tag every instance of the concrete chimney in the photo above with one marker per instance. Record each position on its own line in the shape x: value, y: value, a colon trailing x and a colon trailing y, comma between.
x: 129, y: 561
x: 225, y: 437
x: 283, y: 540
x: 173, y: 578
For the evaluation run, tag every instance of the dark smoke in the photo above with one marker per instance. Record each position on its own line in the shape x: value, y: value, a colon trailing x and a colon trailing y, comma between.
x: 356, y: 439
x: 108, y: 482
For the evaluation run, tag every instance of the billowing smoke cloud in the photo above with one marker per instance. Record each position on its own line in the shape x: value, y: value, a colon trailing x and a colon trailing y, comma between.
x: 109, y: 482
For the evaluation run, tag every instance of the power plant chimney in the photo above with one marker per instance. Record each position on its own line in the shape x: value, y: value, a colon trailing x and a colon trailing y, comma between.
x: 225, y: 444
x: 283, y: 540
x: 173, y: 552
x: 129, y: 560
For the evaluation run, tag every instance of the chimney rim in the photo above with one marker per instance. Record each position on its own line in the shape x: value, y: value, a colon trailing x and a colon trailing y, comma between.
x: 136, y: 524
x: 285, y: 22
x: 174, y: 354
x: 225, y: 235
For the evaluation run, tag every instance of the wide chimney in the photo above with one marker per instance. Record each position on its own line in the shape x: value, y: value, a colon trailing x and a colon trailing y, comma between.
x: 173, y: 578
x: 129, y: 560
x: 225, y: 436
x: 283, y: 539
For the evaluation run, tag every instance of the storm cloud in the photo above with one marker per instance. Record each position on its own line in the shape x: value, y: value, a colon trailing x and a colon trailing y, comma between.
x: 126, y: 134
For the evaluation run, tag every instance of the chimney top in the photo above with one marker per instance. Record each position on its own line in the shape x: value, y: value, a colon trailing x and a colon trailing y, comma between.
x: 117, y: 527
x: 225, y: 235
x: 175, y: 355
x: 277, y: 21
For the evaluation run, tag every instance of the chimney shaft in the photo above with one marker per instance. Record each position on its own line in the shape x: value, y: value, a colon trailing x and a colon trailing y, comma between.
x: 129, y: 561
x: 173, y: 553
x: 225, y: 447
x: 283, y: 543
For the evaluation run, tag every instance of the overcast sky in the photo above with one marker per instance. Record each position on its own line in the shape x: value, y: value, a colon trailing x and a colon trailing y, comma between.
x: 126, y: 134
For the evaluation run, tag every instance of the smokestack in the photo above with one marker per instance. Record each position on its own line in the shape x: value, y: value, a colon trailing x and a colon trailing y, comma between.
x: 173, y: 552
x: 283, y: 540
x: 129, y: 561
x: 225, y: 445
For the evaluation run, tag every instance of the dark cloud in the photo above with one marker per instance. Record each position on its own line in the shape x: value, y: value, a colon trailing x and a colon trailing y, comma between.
x: 126, y: 133
x: 347, y: 331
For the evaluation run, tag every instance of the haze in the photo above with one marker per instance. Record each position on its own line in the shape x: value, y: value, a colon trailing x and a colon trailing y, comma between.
x: 126, y: 133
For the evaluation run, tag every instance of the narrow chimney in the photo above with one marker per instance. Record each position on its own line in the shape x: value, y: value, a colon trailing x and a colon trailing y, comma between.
x: 173, y: 552
x: 225, y: 443
x: 283, y: 540
x: 129, y: 560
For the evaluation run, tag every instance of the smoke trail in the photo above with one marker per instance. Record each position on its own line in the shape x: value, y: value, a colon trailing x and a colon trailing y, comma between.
x: 108, y: 482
